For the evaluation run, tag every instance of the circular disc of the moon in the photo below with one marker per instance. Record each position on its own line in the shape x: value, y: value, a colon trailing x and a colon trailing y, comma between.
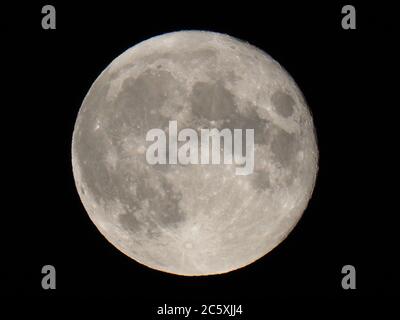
x: 194, y: 219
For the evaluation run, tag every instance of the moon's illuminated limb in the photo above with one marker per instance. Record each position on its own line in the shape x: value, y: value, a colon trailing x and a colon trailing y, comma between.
x: 194, y: 219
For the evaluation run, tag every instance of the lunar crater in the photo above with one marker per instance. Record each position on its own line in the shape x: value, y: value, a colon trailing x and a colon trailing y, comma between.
x: 283, y: 103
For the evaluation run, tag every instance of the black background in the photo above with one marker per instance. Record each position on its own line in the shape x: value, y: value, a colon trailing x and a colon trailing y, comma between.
x: 346, y: 77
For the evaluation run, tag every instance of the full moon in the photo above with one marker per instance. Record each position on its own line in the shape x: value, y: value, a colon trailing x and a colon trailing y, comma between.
x: 194, y: 219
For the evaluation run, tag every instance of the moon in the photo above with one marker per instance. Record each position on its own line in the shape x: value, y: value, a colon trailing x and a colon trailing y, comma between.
x: 194, y: 219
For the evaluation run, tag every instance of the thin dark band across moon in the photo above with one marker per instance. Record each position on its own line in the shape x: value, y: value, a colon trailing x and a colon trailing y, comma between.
x: 189, y: 218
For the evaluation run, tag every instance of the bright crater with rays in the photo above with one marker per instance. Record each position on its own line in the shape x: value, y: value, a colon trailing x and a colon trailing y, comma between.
x: 194, y: 219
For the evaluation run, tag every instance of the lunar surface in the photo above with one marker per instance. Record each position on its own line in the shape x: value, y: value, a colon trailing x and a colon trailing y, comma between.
x: 194, y: 219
